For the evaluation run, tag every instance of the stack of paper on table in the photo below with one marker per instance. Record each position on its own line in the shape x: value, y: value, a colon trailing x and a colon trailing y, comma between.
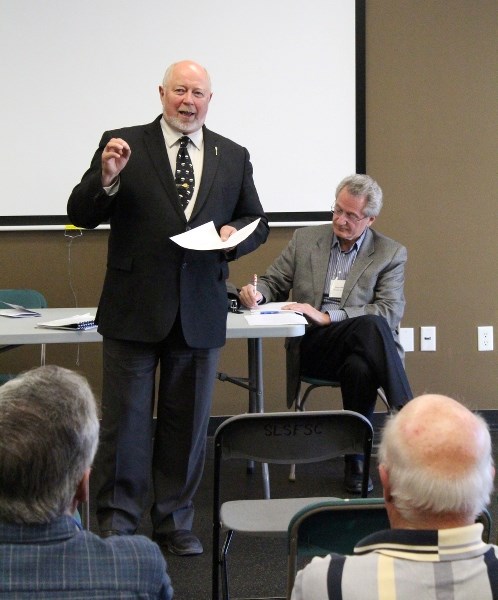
x: 17, y: 311
x: 272, y: 314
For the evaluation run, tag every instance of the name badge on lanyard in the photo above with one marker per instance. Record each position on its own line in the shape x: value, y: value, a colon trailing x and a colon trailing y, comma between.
x: 336, y: 288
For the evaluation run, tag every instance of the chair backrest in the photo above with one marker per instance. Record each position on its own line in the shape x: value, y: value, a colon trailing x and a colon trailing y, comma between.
x: 332, y: 526
x: 23, y: 297
x: 336, y: 525
x: 293, y: 438
x: 288, y: 437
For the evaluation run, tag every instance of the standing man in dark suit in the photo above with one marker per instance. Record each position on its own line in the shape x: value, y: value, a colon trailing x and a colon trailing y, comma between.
x: 161, y: 304
x: 348, y: 281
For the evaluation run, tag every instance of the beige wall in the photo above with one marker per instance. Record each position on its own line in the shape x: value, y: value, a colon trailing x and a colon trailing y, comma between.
x: 432, y: 145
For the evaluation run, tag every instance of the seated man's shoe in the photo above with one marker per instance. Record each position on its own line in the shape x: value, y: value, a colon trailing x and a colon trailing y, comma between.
x: 181, y: 542
x: 353, y: 475
x: 110, y: 532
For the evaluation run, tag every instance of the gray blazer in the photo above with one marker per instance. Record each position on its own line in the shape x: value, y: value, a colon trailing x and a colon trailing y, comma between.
x: 374, y: 285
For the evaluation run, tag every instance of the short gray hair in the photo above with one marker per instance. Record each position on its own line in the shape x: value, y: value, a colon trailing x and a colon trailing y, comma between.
x: 49, y: 432
x: 363, y: 185
x: 416, y: 488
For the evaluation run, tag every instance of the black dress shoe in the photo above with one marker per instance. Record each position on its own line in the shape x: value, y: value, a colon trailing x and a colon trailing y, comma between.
x: 353, y: 475
x: 109, y: 533
x: 181, y: 542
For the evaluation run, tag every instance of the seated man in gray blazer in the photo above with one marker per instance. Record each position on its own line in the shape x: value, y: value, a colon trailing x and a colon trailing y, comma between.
x: 348, y: 281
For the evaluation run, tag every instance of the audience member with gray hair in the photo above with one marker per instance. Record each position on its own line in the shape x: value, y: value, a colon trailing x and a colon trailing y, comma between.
x: 49, y: 432
x: 436, y: 469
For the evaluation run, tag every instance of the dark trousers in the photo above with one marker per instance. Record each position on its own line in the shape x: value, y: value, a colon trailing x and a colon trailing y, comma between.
x: 361, y: 354
x: 129, y: 458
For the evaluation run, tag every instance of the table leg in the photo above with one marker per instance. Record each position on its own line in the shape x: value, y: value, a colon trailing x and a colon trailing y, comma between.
x: 254, y: 385
x: 255, y: 369
x: 256, y: 395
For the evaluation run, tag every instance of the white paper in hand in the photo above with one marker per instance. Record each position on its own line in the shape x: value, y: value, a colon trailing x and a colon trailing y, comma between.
x: 205, y: 237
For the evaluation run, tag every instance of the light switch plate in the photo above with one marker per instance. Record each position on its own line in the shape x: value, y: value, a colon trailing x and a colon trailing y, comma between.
x: 406, y: 338
x: 428, y: 339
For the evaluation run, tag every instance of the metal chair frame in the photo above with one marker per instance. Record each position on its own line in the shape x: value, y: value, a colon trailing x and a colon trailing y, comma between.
x: 314, y: 383
x: 278, y: 438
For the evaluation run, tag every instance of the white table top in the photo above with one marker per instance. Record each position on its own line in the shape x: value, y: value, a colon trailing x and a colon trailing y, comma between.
x: 24, y: 330
x: 238, y: 327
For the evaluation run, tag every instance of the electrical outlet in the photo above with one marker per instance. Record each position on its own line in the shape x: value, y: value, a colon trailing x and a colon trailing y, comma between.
x: 428, y: 339
x: 485, y: 338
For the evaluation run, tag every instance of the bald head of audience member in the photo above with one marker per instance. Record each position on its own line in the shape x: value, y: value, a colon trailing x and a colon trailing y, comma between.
x: 435, y: 464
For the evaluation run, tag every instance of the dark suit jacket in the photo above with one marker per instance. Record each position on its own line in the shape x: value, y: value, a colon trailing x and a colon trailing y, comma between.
x: 149, y: 278
x: 374, y: 285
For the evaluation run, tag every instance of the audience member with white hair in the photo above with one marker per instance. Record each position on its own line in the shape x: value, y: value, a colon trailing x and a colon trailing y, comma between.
x: 49, y: 432
x: 436, y: 470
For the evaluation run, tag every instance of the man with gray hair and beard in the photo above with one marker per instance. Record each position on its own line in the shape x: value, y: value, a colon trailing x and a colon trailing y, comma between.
x: 436, y: 469
x: 49, y: 432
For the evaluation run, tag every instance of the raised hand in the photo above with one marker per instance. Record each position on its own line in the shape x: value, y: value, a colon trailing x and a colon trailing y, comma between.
x: 114, y: 159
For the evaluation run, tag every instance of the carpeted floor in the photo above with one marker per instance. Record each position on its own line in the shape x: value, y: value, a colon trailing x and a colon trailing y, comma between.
x: 258, y: 566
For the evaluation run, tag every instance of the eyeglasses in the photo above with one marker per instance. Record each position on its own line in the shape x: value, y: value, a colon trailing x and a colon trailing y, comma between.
x: 352, y: 218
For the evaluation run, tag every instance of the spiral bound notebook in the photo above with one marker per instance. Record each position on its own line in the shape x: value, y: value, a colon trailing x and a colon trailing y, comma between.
x: 78, y: 322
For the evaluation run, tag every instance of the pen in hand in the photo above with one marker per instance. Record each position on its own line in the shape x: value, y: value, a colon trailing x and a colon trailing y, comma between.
x: 255, y: 283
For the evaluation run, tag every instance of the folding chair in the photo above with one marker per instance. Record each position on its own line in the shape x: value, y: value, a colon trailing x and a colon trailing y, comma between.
x: 278, y: 438
x: 332, y: 526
